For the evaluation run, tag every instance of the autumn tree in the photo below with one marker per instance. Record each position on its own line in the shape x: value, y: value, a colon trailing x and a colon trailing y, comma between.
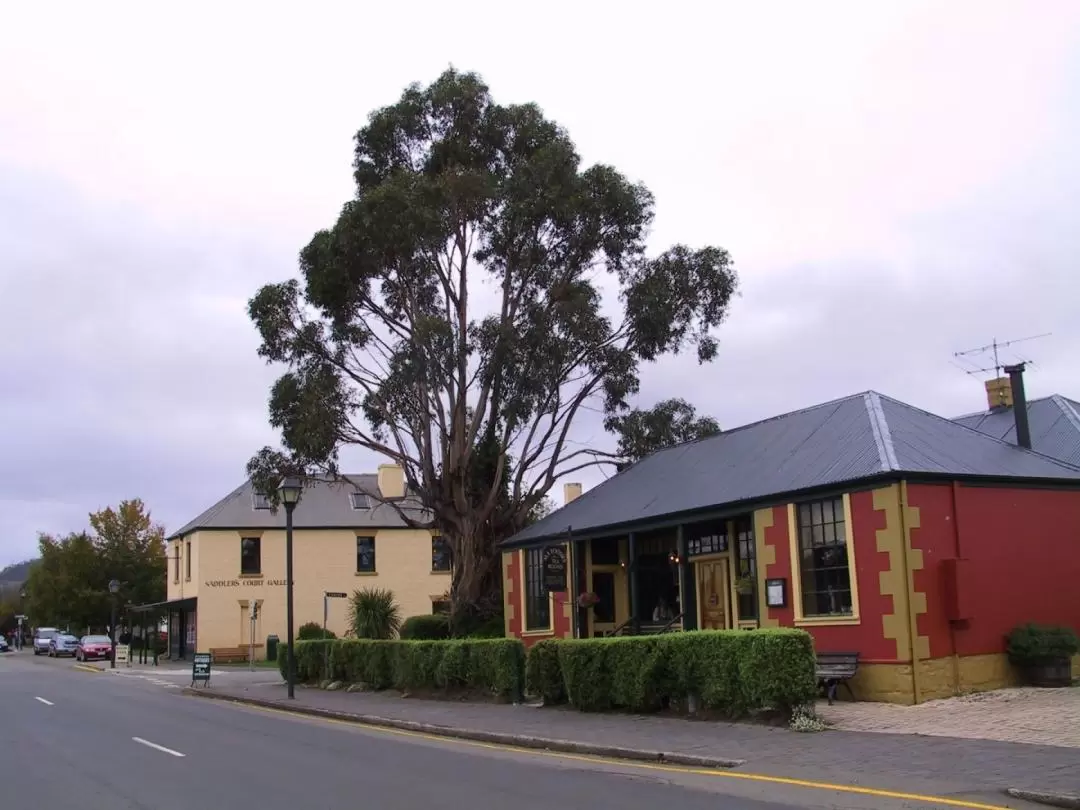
x: 479, y: 293
x: 69, y: 584
x: 670, y: 422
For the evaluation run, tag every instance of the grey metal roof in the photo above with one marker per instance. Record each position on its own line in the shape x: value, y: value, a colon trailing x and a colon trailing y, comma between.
x: 1054, y: 422
x: 858, y: 437
x: 324, y: 504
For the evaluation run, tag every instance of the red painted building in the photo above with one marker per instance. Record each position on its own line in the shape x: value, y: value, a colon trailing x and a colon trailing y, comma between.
x: 881, y: 529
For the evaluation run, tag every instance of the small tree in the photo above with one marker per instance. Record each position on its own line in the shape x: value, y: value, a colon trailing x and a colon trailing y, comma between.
x: 373, y: 613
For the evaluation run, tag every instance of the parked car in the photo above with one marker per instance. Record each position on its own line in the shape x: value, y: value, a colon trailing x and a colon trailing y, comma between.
x: 42, y: 637
x: 62, y: 644
x: 4, y: 647
x: 93, y: 647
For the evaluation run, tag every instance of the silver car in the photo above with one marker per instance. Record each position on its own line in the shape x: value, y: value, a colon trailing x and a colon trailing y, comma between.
x: 62, y: 644
x: 42, y: 637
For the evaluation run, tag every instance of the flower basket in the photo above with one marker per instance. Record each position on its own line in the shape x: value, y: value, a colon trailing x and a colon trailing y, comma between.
x: 744, y: 585
x: 588, y: 599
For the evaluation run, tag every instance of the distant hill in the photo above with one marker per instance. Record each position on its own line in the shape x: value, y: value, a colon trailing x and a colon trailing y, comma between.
x: 16, y: 573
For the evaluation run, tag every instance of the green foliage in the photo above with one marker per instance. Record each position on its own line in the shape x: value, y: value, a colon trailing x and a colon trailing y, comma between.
x: 731, y: 672
x: 373, y: 613
x: 1033, y: 644
x: 387, y: 346
x: 69, y: 585
x: 671, y: 422
x: 313, y: 631
x: 496, y: 666
x: 426, y: 628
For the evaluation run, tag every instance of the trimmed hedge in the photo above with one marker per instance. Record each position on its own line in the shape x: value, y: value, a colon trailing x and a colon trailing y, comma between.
x: 494, y: 665
x: 730, y: 672
x: 426, y: 628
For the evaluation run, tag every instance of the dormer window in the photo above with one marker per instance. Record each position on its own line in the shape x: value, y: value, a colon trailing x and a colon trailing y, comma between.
x: 360, y: 500
x: 259, y: 501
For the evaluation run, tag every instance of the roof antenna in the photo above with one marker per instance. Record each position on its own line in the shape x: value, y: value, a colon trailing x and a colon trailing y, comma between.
x: 999, y: 389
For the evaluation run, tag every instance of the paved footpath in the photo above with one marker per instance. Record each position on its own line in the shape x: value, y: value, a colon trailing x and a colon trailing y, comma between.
x: 939, y: 765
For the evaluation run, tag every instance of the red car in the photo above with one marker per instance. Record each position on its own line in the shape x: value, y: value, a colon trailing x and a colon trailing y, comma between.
x: 91, y: 647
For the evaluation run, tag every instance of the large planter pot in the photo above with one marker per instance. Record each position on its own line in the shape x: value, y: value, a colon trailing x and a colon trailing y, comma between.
x: 1048, y: 673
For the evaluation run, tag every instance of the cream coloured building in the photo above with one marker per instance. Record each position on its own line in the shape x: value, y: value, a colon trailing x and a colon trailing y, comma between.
x: 345, y: 537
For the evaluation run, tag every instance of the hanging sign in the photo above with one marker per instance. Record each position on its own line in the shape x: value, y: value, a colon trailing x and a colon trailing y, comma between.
x: 200, y: 668
x: 555, y: 568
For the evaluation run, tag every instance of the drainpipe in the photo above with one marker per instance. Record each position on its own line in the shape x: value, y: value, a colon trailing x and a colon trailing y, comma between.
x: 959, y: 555
x: 1020, y: 409
x: 909, y: 576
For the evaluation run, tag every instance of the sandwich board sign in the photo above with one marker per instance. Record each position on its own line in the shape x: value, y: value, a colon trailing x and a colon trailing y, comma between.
x: 200, y: 668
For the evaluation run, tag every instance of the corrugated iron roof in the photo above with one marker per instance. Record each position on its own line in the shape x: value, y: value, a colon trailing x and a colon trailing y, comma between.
x: 858, y: 437
x: 1054, y: 423
x: 325, y: 503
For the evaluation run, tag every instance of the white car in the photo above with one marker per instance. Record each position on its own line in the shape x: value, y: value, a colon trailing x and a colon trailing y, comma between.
x: 42, y: 637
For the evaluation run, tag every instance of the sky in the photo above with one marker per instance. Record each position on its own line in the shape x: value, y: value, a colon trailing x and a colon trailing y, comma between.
x: 896, y: 182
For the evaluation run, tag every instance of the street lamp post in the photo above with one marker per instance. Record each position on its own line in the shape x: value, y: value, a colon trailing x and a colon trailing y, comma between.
x: 114, y: 588
x: 290, y: 491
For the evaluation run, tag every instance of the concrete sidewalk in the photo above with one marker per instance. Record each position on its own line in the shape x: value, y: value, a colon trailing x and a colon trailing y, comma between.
x: 938, y: 765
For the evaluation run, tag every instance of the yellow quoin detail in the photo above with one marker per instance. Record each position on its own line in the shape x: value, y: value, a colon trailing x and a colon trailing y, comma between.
x: 892, y: 582
x: 766, y: 556
x: 508, y: 590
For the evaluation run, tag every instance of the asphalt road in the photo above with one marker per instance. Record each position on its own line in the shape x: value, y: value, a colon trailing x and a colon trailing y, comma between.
x: 94, y: 741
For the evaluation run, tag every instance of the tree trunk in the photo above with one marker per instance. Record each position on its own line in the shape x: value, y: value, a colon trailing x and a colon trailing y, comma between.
x: 476, y: 588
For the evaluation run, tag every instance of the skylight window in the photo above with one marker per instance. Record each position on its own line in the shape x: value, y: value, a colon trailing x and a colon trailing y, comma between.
x: 360, y: 500
x: 259, y: 501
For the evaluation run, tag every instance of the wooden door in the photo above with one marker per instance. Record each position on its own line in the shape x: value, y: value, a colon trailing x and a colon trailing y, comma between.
x: 713, y: 593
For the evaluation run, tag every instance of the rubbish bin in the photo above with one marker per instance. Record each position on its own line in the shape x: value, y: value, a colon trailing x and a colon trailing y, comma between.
x: 271, y: 647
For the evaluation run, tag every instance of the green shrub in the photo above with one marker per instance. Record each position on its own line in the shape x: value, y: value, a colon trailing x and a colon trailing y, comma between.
x: 543, y: 676
x: 313, y: 631
x: 730, y: 672
x: 492, y: 665
x: 426, y: 628
x: 374, y: 614
x: 1033, y: 644
x: 494, y: 627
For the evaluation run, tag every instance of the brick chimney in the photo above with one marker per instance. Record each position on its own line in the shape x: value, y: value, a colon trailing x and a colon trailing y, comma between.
x: 391, y: 481
x: 570, y: 492
x: 999, y: 393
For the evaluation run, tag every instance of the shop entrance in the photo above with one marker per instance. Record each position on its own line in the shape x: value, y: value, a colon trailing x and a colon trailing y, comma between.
x: 714, y: 593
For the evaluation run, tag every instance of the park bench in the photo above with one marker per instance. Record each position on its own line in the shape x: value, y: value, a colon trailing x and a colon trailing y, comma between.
x: 833, y: 669
x: 229, y: 655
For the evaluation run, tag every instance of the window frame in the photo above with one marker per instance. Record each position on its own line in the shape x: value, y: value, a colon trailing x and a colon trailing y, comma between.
x: 373, y: 570
x: 532, y: 559
x: 438, y: 539
x: 744, y: 537
x: 359, y: 501
x: 258, y: 548
x: 796, y: 594
x: 187, y: 561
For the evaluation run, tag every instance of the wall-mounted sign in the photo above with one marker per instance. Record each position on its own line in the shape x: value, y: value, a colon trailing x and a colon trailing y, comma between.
x: 247, y: 583
x: 555, y: 568
x: 776, y: 593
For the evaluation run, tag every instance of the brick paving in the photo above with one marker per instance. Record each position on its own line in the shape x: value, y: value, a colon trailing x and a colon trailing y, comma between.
x: 1030, y: 716
x: 898, y: 761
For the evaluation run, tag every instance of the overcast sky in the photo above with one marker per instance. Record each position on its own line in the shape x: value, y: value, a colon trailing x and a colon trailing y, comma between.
x: 895, y: 181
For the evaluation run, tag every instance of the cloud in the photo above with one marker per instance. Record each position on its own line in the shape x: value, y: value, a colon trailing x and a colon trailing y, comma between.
x: 896, y: 182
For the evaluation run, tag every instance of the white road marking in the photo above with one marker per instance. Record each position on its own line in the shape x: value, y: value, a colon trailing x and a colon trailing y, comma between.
x: 157, y: 747
x: 43, y: 700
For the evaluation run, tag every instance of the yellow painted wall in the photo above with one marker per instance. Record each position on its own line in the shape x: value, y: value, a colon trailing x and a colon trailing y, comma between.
x: 182, y: 587
x: 323, y: 560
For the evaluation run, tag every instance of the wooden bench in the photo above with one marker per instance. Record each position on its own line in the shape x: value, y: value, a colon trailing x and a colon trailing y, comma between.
x: 833, y: 669
x: 229, y: 655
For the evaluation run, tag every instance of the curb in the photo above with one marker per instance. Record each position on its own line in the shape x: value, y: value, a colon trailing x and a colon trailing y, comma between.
x: 1070, y: 801
x: 476, y: 735
x: 87, y: 668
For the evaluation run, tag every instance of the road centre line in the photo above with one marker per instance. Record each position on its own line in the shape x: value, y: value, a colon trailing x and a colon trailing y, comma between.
x: 157, y: 747
x: 43, y: 700
x: 921, y: 798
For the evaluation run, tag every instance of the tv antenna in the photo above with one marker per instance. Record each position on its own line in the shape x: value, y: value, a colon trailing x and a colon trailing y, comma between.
x: 994, y: 347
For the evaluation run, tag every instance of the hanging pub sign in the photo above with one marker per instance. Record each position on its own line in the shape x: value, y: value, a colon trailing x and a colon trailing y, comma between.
x: 554, y: 569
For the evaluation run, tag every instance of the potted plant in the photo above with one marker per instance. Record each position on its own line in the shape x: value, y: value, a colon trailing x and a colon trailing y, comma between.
x: 744, y: 585
x: 588, y: 599
x: 1043, y: 654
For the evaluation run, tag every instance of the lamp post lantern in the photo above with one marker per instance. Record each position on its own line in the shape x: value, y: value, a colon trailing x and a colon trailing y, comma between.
x: 114, y: 588
x: 290, y: 491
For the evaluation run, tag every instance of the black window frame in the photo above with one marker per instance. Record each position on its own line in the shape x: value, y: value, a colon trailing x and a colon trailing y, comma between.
x: 537, y: 600
x: 361, y: 541
x: 247, y: 569
x: 746, y: 551
x: 176, y: 565
x: 359, y: 500
x: 442, y: 556
x: 822, y: 532
x: 187, y: 561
